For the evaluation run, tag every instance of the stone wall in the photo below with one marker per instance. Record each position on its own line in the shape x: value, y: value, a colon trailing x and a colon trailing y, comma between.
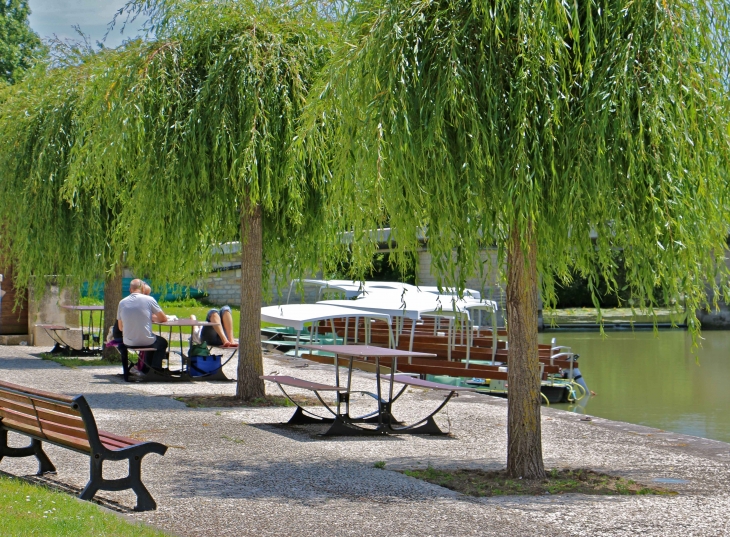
x: 224, y: 287
x: 45, y: 308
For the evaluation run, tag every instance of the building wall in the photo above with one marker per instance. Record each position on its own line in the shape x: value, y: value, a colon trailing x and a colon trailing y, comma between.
x: 12, y: 321
x: 224, y: 287
x: 224, y: 284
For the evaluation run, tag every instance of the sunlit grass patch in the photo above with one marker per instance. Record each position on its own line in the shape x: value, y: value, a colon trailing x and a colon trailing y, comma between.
x: 75, y: 361
x: 27, y: 509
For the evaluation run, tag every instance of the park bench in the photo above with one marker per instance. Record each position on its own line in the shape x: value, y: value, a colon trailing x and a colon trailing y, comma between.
x: 69, y: 423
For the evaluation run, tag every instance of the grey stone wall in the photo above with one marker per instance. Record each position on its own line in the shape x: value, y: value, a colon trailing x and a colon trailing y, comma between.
x: 224, y: 287
x: 45, y: 308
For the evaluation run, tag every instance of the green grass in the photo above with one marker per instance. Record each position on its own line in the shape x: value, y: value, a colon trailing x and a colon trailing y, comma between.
x: 33, y: 510
x: 73, y: 361
x: 180, y: 308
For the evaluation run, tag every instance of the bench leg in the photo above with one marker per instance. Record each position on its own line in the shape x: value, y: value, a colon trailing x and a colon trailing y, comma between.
x: 300, y: 418
x: 429, y: 424
x: 133, y: 481
x: 45, y: 466
x: 342, y: 427
x: 429, y: 427
x: 145, y: 502
x: 95, y: 478
x: 125, y: 361
x: 35, y: 449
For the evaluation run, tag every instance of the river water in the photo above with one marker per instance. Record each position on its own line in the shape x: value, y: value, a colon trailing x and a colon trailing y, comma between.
x: 658, y: 380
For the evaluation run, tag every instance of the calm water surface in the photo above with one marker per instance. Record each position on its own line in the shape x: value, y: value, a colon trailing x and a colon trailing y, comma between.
x: 656, y: 380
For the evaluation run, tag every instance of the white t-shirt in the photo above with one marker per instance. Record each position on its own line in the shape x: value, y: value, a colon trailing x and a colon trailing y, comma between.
x: 135, y: 312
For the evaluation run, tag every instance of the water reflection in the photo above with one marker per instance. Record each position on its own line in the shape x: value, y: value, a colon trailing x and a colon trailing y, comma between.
x: 656, y: 380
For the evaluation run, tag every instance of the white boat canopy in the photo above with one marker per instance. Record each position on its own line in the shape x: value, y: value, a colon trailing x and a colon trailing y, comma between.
x: 414, y: 305
x: 354, y: 288
x: 296, y: 316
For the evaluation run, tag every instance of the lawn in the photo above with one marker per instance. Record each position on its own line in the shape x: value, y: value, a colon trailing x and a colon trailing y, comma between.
x: 27, y: 509
x: 182, y: 309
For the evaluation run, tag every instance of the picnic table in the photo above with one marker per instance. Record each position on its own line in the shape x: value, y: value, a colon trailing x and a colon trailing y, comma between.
x: 342, y: 423
x: 187, y: 361
x: 90, y: 333
x: 91, y: 336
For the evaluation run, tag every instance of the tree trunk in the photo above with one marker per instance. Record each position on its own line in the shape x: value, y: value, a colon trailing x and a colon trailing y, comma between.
x: 112, y: 296
x: 524, y: 441
x: 250, y: 360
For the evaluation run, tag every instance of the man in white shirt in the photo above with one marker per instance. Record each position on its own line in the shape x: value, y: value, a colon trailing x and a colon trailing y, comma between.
x: 135, y: 315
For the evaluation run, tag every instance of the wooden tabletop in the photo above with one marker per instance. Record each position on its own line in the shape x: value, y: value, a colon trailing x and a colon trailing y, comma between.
x: 367, y: 350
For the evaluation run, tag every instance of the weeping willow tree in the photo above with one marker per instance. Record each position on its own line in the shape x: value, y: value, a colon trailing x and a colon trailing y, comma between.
x: 199, y: 125
x: 527, y: 125
x: 48, y: 228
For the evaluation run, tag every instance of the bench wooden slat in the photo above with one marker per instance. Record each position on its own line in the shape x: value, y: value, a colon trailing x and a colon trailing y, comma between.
x: 50, y: 428
x: 40, y: 403
x: 16, y: 417
x: 42, y: 413
x: 78, y: 430
x: 31, y: 392
x: 80, y: 444
x: 51, y: 436
x: 299, y: 383
x: 60, y: 408
x: 22, y: 426
x: 118, y: 438
x: 68, y: 436
x: 114, y: 445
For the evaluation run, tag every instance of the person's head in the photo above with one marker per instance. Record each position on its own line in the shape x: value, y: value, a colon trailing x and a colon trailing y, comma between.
x: 136, y: 286
x: 146, y: 289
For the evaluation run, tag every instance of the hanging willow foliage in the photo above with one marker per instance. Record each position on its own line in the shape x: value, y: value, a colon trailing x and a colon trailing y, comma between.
x: 154, y: 147
x: 609, y: 116
x: 482, y: 122
x: 200, y: 123
x: 46, y: 231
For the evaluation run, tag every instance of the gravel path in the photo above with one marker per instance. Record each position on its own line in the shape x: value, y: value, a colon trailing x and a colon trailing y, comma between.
x: 239, y: 472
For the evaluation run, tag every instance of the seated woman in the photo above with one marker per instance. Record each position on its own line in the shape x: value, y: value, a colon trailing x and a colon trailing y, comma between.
x: 221, y: 334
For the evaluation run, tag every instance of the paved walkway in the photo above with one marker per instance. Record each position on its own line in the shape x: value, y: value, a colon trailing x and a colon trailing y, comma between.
x: 238, y: 472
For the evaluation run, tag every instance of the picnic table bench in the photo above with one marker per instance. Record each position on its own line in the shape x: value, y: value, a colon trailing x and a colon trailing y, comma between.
x: 69, y: 423
x: 342, y: 422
